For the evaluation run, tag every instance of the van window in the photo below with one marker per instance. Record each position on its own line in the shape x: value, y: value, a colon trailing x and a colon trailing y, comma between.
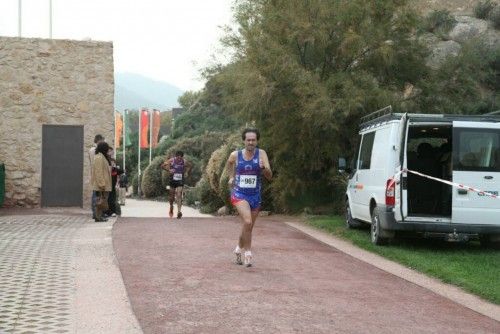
x: 476, y: 149
x: 365, y: 155
x: 354, y: 160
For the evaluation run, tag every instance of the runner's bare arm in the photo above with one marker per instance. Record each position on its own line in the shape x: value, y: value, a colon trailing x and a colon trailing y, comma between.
x: 166, y: 165
x: 265, y: 166
x: 230, y: 166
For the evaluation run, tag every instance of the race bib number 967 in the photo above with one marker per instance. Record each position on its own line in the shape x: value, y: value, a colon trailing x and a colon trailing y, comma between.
x: 248, y: 181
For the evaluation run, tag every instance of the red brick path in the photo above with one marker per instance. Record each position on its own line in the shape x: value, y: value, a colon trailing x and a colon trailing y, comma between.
x: 181, y: 278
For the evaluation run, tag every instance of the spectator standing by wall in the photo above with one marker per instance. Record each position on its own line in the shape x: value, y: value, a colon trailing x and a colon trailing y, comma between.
x: 97, y: 139
x: 101, y: 179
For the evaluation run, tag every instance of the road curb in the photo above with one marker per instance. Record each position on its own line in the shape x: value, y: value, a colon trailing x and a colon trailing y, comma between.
x: 448, y: 291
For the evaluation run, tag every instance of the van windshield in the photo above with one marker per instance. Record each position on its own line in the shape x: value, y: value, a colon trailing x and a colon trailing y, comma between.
x: 476, y: 149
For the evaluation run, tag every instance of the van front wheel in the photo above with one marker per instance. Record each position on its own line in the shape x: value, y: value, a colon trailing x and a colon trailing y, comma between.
x: 379, y: 236
x: 350, y: 222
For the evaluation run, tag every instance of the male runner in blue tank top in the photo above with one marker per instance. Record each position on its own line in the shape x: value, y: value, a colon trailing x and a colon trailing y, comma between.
x: 245, y: 169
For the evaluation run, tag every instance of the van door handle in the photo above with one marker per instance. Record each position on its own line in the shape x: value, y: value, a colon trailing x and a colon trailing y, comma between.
x: 462, y: 191
x: 488, y: 177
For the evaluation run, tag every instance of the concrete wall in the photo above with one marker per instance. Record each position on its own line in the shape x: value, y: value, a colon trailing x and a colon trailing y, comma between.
x: 58, y: 82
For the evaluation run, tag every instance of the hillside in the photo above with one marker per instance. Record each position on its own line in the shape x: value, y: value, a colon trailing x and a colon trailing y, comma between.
x: 134, y: 91
x: 454, y: 6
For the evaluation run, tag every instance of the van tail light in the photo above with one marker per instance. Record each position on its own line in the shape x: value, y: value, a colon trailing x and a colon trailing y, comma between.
x: 390, y: 192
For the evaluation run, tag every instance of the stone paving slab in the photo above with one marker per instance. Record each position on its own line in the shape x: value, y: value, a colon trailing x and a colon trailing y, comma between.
x: 36, y: 281
x: 54, y: 271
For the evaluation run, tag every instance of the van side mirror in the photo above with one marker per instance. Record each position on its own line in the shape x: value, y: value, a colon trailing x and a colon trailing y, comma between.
x: 342, y: 166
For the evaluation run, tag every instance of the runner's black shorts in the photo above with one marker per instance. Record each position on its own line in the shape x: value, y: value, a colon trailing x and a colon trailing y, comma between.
x: 175, y: 184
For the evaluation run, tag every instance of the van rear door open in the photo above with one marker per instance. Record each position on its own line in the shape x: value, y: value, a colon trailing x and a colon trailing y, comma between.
x: 476, y: 163
x: 401, y: 209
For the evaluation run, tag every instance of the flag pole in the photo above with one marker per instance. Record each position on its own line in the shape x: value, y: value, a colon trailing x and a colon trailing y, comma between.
x: 124, y: 144
x: 114, y: 137
x: 19, y: 14
x: 150, y: 133
x: 139, y: 157
x: 50, y: 19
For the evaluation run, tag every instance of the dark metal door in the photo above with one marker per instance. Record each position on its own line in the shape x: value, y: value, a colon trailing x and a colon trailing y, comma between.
x: 62, y: 165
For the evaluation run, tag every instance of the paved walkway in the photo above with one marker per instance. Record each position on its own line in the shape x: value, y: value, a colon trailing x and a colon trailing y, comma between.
x: 181, y: 278
x: 58, y: 274
x: 449, y: 291
x: 142, y: 208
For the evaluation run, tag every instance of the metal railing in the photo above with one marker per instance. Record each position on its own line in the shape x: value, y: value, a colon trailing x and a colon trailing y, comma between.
x: 376, y: 114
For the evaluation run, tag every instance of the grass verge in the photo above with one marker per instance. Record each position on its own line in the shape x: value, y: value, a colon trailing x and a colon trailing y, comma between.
x: 466, y: 265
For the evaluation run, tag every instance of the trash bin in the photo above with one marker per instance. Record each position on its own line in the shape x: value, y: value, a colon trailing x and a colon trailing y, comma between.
x: 2, y: 183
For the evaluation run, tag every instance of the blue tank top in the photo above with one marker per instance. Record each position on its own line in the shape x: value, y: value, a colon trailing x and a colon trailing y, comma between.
x: 248, y: 174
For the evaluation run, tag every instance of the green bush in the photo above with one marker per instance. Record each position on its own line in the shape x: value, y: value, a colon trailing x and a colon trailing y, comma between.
x: 201, y: 118
x: 483, y: 9
x: 200, y: 146
x: 216, y: 173
x: 151, y: 184
x: 164, y: 145
x: 209, y: 200
x: 495, y: 17
x: 224, y: 190
x: 135, y: 184
x: 192, y: 195
x: 439, y: 22
x: 217, y: 162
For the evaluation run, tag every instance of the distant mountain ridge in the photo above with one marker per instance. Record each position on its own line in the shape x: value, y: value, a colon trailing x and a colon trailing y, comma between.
x: 133, y: 91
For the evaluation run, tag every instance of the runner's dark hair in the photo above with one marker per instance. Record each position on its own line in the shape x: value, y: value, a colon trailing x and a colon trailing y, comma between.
x: 247, y: 130
x: 179, y: 154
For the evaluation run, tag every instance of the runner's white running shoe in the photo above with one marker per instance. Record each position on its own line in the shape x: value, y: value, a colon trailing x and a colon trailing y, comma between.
x: 237, y: 251
x: 248, y: 258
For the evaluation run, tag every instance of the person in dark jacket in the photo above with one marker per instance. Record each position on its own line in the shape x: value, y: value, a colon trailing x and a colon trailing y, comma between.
x: 112, y: 200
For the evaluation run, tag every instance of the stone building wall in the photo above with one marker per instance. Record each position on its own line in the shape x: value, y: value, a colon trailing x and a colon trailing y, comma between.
x: 57, y: 82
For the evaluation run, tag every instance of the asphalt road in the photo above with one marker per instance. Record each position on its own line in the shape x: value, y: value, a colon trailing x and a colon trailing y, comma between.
x: 181, y: 277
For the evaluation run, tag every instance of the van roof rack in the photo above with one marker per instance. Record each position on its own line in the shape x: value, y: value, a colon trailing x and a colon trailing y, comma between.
x: 387, y: 114
x: 377, y: 114
x: 381, y: 115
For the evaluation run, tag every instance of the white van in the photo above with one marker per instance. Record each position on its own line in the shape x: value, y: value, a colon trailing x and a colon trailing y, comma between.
x: 383, y: 190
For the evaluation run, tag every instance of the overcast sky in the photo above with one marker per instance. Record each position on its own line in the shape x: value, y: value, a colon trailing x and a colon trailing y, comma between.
x: 168, y: 40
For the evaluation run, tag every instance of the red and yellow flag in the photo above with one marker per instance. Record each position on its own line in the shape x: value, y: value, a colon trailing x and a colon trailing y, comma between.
x: 118, y: 129
x: 156, y: 128
x: 144, y: 128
